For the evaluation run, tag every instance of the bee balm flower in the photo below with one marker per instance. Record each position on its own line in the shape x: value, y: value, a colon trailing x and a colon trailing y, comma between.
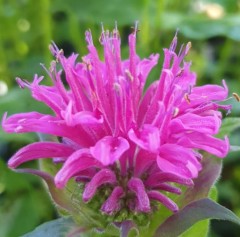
x: 138, y: 146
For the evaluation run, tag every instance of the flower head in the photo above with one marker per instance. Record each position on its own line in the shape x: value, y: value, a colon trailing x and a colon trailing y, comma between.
x: 129, y: 146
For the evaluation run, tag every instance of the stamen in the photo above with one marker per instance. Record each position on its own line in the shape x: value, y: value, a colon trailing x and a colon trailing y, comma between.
x: 135, y: 29
x: 186, y: 97
x: 129, y: 75
x: 188, y: 47
x: 180, y: 73
x: 236, y: 96
x: 175, y: 112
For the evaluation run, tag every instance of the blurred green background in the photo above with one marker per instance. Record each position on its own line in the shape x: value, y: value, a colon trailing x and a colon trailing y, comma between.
x: 27, y: 28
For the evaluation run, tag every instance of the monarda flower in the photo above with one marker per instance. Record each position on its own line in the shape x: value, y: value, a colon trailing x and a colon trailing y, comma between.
x: 130, y: 149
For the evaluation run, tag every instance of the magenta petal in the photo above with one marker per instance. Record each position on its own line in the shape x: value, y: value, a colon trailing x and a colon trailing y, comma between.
x: 136, y: 186
x: 179, y: 160
x: 147, y: 138
x: 83, y: 117
x: 192, y: 122
x: 78, y: 161
x: 36, y: 122
x: 206, y: 142
x: 210, y: 92
x: 109, y: 149
x: 167, y: 202
x: 173, y: 167
x: 168, y: 188
x: 104, y: 176
x: 144, y: 160
x: 40, y: 150
x: 112, y: 204
x: 162, y: 177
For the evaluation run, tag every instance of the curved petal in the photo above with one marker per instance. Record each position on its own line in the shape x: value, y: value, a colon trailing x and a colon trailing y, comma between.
x: 37, y: 122
x: 206, y: 142
x: 83, y: 117
x: 109, y: 149
x: 167, y: 202
x: 163, y: 177
x: 78, y: 161
x: 112, y: 204
x: 179, y: 160
x: 203, y: 94
x: 104, y: 176
x: 147, y: 138
x: 40, y: 150
x: 136, y: 185
x: 192, y: 122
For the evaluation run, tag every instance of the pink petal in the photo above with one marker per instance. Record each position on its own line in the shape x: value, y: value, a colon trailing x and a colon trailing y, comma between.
x: 147, y: 138
x: 168, y: 188
x: 36, y: 122
x: 136, y: 185
x: 206, y: 142
x: 145, y: 66
x: 162, y: 177
x: 104, y: 176
x: 210, y: 92
x: 78, y: 161
x: 112, y: 204
x: 204, y: 94
x: 83, y: 117
x: 193, y: 122
x: 40, y: 150
x: 176, y: 168
x: 48, y: 95
x: 109, y: 149
x: 179, y: 160
x: 144, y: 160
x: 167, y: 202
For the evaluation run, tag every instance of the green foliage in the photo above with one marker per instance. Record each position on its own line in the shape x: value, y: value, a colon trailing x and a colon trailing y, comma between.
x: 23, y: 203
x: 196, y: 211
x: 59, y: 228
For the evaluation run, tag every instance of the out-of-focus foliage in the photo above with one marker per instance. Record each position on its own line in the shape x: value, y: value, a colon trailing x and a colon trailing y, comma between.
x: 27, y: 28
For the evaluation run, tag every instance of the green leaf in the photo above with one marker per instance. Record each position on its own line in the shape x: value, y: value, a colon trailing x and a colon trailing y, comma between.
x: 22, y: 194
x: 228, y: 126
x: 201, y: 228
x: 194, y: 212
x: 59, y: 196
x: 59, y: 228
x: 194, y: 25
x: 102, y: 11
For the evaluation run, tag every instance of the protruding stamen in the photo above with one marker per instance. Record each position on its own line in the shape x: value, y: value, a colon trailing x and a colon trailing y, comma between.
x: 188, y: 47
x: 236, y: 96
x: 135, y: 28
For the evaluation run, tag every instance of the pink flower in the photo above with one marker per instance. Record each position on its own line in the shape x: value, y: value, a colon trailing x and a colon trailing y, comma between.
x: 113, y: 134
